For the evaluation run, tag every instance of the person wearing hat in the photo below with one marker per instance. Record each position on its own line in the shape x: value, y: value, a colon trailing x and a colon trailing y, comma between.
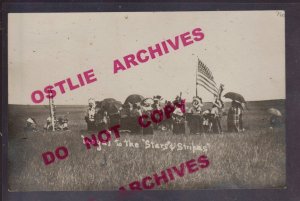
x: 167, y: 123
x: 195, y: 120
x: 147, y: 109
x: 206, y: 121
x: 215, y: 112
x: 157, y: 106
x: 135, y: 114
x: 31, y: 125
x: 178, y: 121
x: 177, y: 100
x: 90, y: 115
x: 125, y: 117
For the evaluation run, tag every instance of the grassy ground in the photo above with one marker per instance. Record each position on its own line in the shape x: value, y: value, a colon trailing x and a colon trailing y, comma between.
x: 253, y: 159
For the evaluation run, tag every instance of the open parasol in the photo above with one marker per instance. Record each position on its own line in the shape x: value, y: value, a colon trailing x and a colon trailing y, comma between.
x: 114, y: 107
x: 134, y: 98
x: 275, y: 112
x: 235, y: 96
x: 109, y: 104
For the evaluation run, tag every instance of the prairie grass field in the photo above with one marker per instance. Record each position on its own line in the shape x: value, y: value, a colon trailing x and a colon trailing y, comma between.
x: 254, y: 158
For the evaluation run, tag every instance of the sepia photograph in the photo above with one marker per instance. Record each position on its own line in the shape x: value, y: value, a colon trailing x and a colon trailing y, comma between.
x: 134, y: 101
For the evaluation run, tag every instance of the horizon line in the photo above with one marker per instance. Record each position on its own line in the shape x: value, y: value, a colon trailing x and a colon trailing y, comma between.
x: 87, y: 104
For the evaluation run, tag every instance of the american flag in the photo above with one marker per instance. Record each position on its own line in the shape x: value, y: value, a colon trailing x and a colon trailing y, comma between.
x: 205, y: 78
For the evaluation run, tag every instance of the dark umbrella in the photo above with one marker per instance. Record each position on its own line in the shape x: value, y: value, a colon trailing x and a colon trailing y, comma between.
x: 109, y: 104
x: 235, y: 96
x: 109, y: 100
x: 134, y: 98
x: 105, y: 102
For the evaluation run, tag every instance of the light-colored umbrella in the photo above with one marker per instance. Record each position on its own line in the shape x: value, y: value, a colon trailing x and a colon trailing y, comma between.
x: 275, y: 112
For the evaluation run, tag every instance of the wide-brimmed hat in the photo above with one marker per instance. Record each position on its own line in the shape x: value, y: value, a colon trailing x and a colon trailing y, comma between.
x: 92, y: 101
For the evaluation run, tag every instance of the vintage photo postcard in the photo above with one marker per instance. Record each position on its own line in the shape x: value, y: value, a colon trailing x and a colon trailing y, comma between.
x: 131, y: 101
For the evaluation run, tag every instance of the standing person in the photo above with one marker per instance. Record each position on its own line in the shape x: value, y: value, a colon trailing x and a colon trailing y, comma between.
x: 102, y: 119
x: 216, y: 124
x: 125, y: 117
x: 114, y: 119
x: 147, y: 109
x: 90, y: 115
x: 136, y: 113
x: 156, y: 106
x: 196, y: 119
x: 178, y: 121
x: 216, y: 115
x: 177, y: 100
x: 168, y: 122
x: 240, y: 105
x: 233, y: 118
x: 206, y: 121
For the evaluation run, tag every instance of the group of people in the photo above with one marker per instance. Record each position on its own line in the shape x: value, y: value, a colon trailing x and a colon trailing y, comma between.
x: 127, y: 116
x: 195, y: 118
x: 198, y: 121
x: 59, y: 124
x: 209, y: 120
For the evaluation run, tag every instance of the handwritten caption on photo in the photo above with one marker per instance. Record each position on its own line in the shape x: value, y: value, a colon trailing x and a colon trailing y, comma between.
x: 149, y: 144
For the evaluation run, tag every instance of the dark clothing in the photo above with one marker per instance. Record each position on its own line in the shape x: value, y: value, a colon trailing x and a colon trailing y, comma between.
x: 125, y: 123
x: 195, y: 124
x: 241, y: 121
x: 178, y: 128
x: 148, y: 130
x: 178, y: 124
x: 134, y: 126
x: 91, y: 126
x: 275, y: 121
x: 234, y: 120
x: 114, y: 119
x: 216, y: 125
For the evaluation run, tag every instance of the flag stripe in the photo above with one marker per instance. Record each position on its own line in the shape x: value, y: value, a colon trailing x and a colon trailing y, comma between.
x: 205, y: 83
x: 208, y: 89
x: 205, y: 78
x: 204, y: 70
x: 206, y: 73
x: 200, y: 77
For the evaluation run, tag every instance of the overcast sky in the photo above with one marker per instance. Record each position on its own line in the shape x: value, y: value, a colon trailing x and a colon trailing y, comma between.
x: 243, y: 49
